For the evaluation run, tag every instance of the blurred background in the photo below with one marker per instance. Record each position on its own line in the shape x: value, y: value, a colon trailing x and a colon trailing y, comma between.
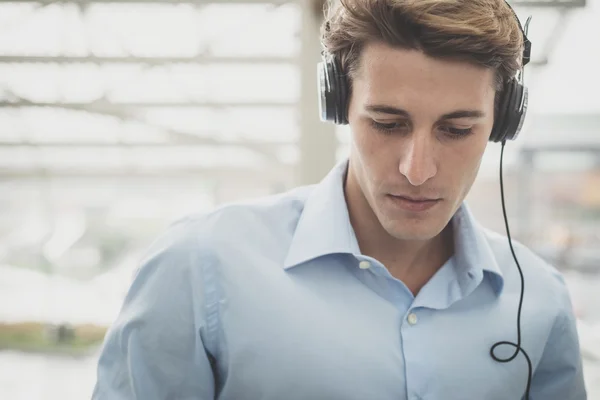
x: 119, y: 116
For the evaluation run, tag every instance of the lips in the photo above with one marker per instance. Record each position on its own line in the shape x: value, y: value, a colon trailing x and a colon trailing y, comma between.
x: 414, y: 203
x: 416, y: 199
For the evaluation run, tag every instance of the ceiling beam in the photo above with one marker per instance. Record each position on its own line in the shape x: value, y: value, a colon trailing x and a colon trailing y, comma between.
x: 166, y: 2
x: 125, y: 113
x: 592, y: 148
x: 222, y: 173
x: 268, y: 150
x: 198, y: 60
x: 109, y: 106
x: 517, y: 3
x: 196, y: 142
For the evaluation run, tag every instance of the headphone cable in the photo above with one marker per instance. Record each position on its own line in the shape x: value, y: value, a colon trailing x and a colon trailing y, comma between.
x: 517, y: 345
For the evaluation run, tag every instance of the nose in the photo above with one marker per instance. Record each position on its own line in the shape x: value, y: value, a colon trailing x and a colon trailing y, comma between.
x: 417, y: 161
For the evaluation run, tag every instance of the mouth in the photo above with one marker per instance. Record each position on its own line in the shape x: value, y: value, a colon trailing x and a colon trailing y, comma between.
x: 411, y: 203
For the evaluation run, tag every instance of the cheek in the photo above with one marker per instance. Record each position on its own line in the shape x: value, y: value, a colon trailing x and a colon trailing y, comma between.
x: 465, y: 162
x: 372, y: 144
x: 368, y: 153
x: 364, y: 139
x: 365, y: 147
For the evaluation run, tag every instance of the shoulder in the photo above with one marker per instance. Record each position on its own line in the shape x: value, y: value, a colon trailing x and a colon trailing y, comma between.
x: 266, y: 209
x: 248, y: 217
x: 528, y: 260
x: 542, y: 280
x: 231, y: 225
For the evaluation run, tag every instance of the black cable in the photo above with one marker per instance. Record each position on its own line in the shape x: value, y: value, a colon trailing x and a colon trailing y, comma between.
x: 517, y: 345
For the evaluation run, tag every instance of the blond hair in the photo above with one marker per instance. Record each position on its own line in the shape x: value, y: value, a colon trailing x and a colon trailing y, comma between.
x: 484, y: 32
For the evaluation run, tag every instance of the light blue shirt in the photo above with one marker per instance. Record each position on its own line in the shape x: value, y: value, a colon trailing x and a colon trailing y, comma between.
x: 272, y: 299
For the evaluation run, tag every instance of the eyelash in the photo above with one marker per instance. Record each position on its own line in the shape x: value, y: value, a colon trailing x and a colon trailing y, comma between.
x: 452, y: 133
x: 386, y: 128
x: 456, y: 133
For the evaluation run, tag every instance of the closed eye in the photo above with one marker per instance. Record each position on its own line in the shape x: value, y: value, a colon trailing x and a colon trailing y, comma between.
x: 456, y: 133
x: 388, y: 127
x: 401, y: 126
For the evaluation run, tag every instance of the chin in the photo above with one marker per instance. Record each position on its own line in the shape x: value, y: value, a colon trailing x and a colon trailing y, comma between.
x: 424, y: 227
x: 411, y: 232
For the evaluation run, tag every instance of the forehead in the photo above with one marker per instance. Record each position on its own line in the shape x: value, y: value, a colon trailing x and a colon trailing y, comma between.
x: 393, y: 75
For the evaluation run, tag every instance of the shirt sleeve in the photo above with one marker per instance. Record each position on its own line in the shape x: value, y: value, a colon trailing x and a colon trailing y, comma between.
x: 154, y: 350
x: 559, y: 375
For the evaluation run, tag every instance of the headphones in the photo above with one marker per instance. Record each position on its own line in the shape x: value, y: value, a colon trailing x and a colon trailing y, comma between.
x: 334, y: 95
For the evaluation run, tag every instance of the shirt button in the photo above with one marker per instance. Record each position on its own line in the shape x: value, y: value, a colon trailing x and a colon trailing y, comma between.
x: 412, y: 318
x: 364, y: 265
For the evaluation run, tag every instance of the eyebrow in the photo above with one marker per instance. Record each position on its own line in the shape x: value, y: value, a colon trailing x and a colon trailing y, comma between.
x: 463, y: 114
x: 383, y: 109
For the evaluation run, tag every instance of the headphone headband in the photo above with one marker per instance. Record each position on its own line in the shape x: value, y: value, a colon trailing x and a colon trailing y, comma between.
x: 334, y: 93
x: 526, y: 42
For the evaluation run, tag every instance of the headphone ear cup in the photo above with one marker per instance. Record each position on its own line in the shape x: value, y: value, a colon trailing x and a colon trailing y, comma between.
x: 333, y: 93
x: 343, y: 99
x: 341, y: 103
x: 501, y: 119
x: 322, y: 88
x: 333, y: 90
x: 517, y: 109
x: 336, y: 98
x: 327, y: 90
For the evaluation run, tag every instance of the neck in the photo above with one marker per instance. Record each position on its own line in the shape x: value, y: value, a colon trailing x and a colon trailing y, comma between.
x: 413, y: 262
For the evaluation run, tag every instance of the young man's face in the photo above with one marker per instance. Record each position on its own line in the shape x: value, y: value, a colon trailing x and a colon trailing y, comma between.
x: 419, y: 129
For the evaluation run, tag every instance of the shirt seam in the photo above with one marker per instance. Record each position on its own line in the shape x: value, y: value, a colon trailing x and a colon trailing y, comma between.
x: 211, y: 304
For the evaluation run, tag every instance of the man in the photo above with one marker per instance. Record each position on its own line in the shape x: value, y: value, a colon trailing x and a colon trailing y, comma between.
x: 377, y: 283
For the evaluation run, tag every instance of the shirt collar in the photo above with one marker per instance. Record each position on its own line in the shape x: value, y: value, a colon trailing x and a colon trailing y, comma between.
x: 473, y: 254
x: 324, y: 228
